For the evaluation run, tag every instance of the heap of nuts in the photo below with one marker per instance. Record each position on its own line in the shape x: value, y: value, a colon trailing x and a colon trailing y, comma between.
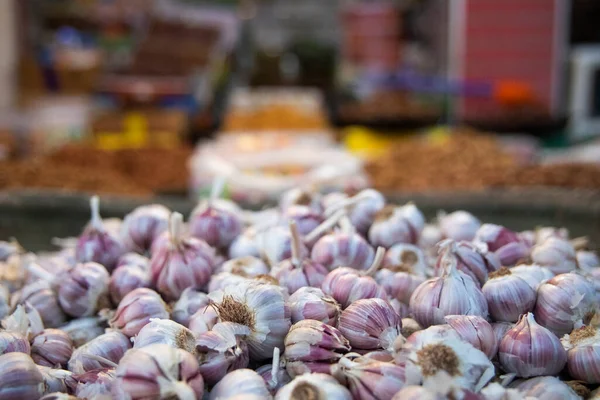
x: 323, y: 297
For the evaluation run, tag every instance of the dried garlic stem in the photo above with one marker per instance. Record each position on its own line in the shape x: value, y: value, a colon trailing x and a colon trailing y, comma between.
x: 216, y: 189
x: 275, y: 368
x: 96, y: 219
x: 325, y: 226
x: 296, y: 240
x: 379, y: 255
x: 175, y: 227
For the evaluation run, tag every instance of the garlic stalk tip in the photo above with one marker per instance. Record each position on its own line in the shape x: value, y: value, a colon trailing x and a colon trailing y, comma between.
x: 216, y: 189
x: 275, y: 368
x: 96, y: 221
x: 175, y: 223
x: 325, y: 226
x: 379, y: 255
x: 295, y: 245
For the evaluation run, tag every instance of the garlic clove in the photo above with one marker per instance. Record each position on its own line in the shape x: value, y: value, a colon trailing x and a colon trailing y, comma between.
x: 203, y: 320
x: 312, y: 303
x: 189, y: 303
x: 245, y: 245
x: 314, y: 386
x: 20, y: 378
x: 165, y: 331
x: 343, y: 249
x: 529, y: 349
x: 136, y: 309
x: 583, y: 353
x: 508, y: 296
x: 587, y: 260
x: 134, y: 259
x: 104, y: 351
x: 500, y: 329
x: 241, y: 382
x: 52, y: 348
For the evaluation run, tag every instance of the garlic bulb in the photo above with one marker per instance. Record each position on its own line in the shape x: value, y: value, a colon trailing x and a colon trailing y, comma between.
x: 312, y: 303
x: 96, y: 384
x: 394, y: 225
x: 165, y: 331
x: 370, y: 324
x: 404, y: 270
x: 240, y: 384
x: 547, y: 388
x: 275, y: 374
x: 557, y: 255
x: 101, y: 352
x: 305, y: 218
x: 477, y: 331
x: 275, y: 245
x: 51, y: 348
x: 458, y: 225
x: 20, y: 378
x: 221, y: 280
x: 506, y: 244
x: 587, y: 260
x: 13, y: 342
x: 368, y: 378
x: 203, y: 320
x: 312, y: 346
x: 500, y: 329
x: 245, y: 244
x: 57, y: 380
x: 260, y: 307
x: 136, y: 309
x: 82, y: 330
x: 564, y: 301
x: 96, y: 243
x: 134, y: 259
x: 190, y: 301
x: 495, y: 391
x: 84, y: 290
x: 347, y: 285
x: 297, y: 272
x: 301, y: 197
x: 181, y: 262
x: 126, y: 278
x: 398, y: 285
x: 143, y: 225
x: 158, y: 371
x: 222, y: 350
x: 361, y: 207
x: 216, y: 225
x: 534, y: 275
x: 529, y: 349
x: 453, y: 293
x: 473, y: 260
x: 314, y: 386
x: 41, y: 296
x: 436, y: 349
x: 25, y: 321
x: 583, y: 353
x: 508, y: 296
x: 247, y: 266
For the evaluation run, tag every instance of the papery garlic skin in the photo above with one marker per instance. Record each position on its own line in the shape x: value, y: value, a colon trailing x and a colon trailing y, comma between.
x: 134, y: 259
x: 459, y: 225
x: 245, y: 245
x: 57, y: 380
x: 317, y: 386
x: 312, y: 346
x: 221, y: 280
x: 51, y: 348
x: 126, y: 278
x: 84, y: 290
x: 508, y: 296
x: 583, y: 354
x: 101, y: 352
x: 370, y: 324
x: 58, y: 396
x: 82, y: 330
x: 20, y: 378
x: 529, y: 349
x: 495, y: 391
x: 500, y: 329
x: 301, y: 197
x: 203, y: 320
x: 534, y: 275
x: 475, y: 330
x: 222, y: 350
x: 262, y: 308
x: 247, y: 266
x: 414, y: 392
x: 96, y: 384
x: 312, y: 303
x: 42, y: 297
x: 394, y: 225
x: 406, y: 257
x: 495, y: 236
x: 275, y: 245
x: 25, y: 320
x: 165, y: 331
x: 563, y: 301
x: 191, y: 300
x: 471, y: 259
x: 13, y: 342
x: 136, y: 309
x: 241, y: 382
x: 143, y: 225
x: 547, y: 388
x: 158, y: 371
x: 557, y: 255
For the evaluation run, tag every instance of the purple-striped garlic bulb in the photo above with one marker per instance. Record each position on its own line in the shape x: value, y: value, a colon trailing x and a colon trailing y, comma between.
x: 223, y: 279
x: 240, y: 384
x: 95, y: 384
x: 84, y: 290
x: 275, y: 374
x: 393, y: 225
x: 500, y: 329
x: 370, y: 324
x: 362, y: 208
x: 471, y: 259
x: 533, y: 274
x: 82, y: 330
x: 477, y: 331
x: 587, y: 261
x: 313, y: 346
x: 301, y: 197
x: 136, y: 309
x: 262, y: 308
x: 52, y: 348
x: 314, y: 386
x: 126, y: 278
x: 20, y: 377
x: 342, y: 248
x: 368, y: 378
x: 247, y: 266
x: 529, y: 349
x: 458, y: 225
x: 297, y: 271
x: 158, y: 371
x: 508, y: 296
x: 245, y: 244
x: 547, y: 388
x: 96, y: 243
x: 306, y: 219
x: 41, y: 296
x: 181, y: 262
x: 143, y: 225
x: 404, y: 269
x: 452, y: 293
x: 165, y: 331
x: 506, y: 244
x: 13, y: 342
x: 25, y: 320
x: 135, y: 259
x: 215, y: 223
x: 558, y: 255
x: 565, y: 301
x: 104, y: 351
x: 583, y: 353
x: 440, y: 350
x: 406, y: 257
x: 312, y: 303
x: 222, y: 350
x: 190, y: 301
x: 346, y: 285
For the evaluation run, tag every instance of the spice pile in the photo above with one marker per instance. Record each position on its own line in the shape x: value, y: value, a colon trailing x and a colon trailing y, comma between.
x: 469, y: 161
x: 322, y: 297
x: 132, y: 172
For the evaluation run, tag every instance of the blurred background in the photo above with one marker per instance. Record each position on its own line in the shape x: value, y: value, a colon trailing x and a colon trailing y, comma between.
x: 156, y: 98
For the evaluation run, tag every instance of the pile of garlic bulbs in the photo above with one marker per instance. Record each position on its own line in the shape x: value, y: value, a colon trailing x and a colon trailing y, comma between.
x: 330, y: 296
